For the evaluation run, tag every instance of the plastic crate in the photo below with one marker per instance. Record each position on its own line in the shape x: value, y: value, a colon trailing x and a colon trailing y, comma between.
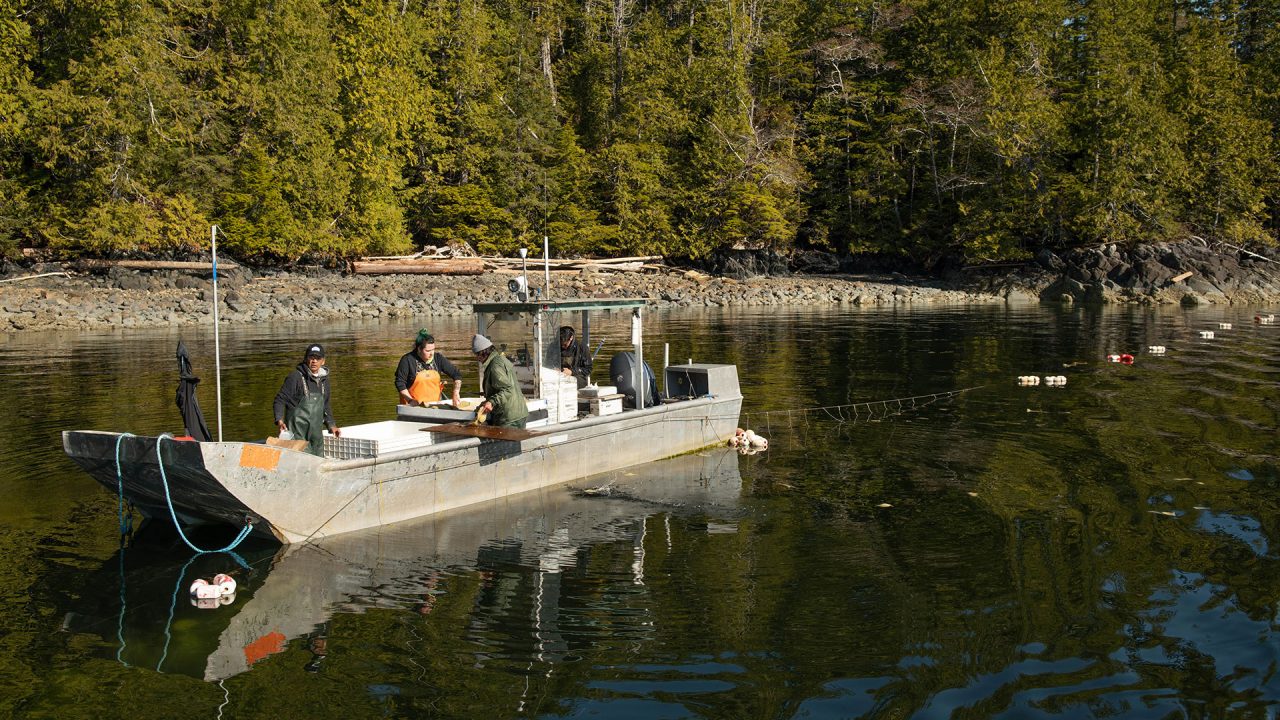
x: 374, y: 439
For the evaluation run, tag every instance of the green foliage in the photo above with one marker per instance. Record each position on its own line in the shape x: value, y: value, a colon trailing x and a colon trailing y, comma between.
x: 465, y: 215
x: 15, y: 77
x: 918, y: 127
x: 1227, y: 145
x: 166, y: 225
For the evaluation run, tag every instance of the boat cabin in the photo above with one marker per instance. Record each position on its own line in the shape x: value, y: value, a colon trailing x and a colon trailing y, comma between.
x: 529, y: 334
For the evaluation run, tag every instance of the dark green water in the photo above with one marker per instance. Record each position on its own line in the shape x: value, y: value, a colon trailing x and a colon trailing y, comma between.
x: 1106, y: 549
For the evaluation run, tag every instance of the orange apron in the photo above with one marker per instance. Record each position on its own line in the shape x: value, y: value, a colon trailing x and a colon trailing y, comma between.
x: 426, y: 385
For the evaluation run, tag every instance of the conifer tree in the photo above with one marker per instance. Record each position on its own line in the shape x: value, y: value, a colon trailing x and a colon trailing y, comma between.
x: 1128, y: 173
x: 1228, y: 152
x: 384, y: 100
x: 288, y: 184
x: 15, y: 88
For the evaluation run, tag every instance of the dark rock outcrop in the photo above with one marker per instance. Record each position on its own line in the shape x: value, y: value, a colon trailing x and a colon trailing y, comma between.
x: 1190, y: 271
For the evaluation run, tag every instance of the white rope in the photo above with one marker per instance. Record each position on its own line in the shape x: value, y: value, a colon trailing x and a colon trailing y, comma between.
x: 852, y: 413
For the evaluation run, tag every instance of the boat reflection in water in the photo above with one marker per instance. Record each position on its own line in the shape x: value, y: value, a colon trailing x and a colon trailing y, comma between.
x: 292, y: 591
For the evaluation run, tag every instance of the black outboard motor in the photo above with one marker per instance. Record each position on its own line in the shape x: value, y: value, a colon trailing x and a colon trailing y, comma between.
x: 622, y: 373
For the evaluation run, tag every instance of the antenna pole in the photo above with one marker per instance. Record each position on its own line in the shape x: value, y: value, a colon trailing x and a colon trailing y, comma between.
x: 546, y: 264
x: 546, y: 243
x: 217, y: 348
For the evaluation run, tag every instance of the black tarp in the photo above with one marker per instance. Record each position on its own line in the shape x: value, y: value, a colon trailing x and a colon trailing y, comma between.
x: 188, y: 405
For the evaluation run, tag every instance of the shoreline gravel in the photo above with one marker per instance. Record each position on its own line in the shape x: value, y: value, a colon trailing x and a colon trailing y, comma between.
x: 160, y: 299
x: 1187, y: 273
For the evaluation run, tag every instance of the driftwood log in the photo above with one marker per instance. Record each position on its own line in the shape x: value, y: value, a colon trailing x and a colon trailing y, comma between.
x: 633, y: 262
x: 90, y: 264
x: 452, y: 266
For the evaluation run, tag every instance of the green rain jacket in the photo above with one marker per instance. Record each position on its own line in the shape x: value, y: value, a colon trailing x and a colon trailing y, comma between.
x: 500, y: 387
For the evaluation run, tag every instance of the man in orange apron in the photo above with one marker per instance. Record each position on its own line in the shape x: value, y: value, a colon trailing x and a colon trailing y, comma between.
x: 420, y: 374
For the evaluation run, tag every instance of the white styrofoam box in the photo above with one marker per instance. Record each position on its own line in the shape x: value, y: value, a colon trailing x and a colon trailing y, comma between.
x: 565, y: 407
x: 535, y: 406
x: 556, y: 396
x: 374, y: 439
x: 598, y: 390
x: 561, y: 395
x: 553, y: 410
x: 568, y: 411
x: 556, y: 379
x: 606, y: 405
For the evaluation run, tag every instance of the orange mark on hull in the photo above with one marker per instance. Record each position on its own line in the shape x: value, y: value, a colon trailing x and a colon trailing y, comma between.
x: 259, y: 456
x: 269, y: 644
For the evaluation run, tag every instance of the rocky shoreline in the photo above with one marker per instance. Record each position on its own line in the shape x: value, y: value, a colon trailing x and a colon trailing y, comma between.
x: 1188, y: 273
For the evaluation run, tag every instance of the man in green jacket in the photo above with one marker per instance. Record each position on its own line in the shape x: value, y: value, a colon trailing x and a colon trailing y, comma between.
x: 503, y: 400
x: 302, y: 405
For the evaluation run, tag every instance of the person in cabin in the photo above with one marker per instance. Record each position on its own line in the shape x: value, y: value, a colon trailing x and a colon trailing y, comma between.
x: 575, y: 360
x: 420, y: 374
x: 503, y: 401
x: 302, y: 405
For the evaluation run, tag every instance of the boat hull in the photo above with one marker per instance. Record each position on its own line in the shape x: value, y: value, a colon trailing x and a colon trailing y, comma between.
x: 295, y: 497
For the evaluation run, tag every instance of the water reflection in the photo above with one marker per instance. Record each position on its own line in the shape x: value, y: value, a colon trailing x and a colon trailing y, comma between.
x: 1103, y: 549
x: 293, y: 592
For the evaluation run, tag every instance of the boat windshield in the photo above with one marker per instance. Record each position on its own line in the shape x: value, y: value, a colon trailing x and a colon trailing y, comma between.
x: 530, y: 334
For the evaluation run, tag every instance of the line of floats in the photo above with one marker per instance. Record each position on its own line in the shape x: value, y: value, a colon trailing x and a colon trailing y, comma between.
x: 1128, y: 358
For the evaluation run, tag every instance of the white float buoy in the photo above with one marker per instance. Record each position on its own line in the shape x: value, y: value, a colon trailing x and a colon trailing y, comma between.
x: 207, y: 591
x: 1224, y: 326
x: 748, y: 440
x: 225, y: 582
x: 1206, y: 334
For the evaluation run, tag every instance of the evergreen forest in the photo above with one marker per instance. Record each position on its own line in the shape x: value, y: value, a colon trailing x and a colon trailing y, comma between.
x: 915, y: 128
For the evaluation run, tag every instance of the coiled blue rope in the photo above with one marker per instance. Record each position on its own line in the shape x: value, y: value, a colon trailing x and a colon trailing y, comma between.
x: 124, y: 527
x: 164, y: 479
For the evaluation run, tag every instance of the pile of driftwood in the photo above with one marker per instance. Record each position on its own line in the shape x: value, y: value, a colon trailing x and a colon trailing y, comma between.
x: 431, y: 261
x: 439, y: 264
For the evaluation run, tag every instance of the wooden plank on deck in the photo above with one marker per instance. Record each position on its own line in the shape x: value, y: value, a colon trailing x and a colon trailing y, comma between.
x: 484, y: 431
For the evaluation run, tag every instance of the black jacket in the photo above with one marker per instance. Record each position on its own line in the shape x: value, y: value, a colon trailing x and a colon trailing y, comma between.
x: 410, y: 363
x: 297, y: 385
x: 577, y: 360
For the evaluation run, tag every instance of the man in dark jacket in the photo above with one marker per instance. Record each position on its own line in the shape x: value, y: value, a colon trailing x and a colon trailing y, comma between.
x: 302, y: 405
x: 575, y: 360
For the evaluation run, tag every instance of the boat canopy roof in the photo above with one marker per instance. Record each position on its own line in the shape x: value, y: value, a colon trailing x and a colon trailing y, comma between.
x: 560, y: 305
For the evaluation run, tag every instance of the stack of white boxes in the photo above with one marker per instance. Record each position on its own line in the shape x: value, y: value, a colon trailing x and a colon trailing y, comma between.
x: 606, y: 404
x: 603, y: 399
x: 561, y: 393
